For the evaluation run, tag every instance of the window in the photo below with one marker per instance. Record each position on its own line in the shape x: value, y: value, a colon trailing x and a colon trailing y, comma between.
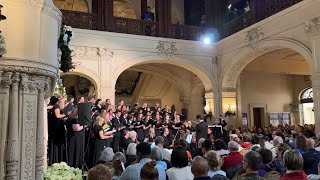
x: 306, y: 96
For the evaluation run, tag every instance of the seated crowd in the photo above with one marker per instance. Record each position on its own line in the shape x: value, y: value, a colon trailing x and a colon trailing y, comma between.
x: 155, y: 144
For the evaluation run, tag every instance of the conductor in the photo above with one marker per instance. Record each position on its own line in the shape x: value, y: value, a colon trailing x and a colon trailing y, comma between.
x: 201, y: 128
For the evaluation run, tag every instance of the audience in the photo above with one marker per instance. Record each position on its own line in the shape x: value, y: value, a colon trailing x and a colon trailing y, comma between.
x: 311, y: 158
x: 180, y: 168
x: 251, y: 164
x: 99, y: 172
x: 266, y: 155
x: 131, y: 154
x: 206, y: 147
x: 220, y: 148
x: 215, y: 163
x: 143, y: 156
x: 301, y: 144
x: 149, y: 171
x: 159, y: 141
x: 315, y: 176
x: 156, y: 155
x: 233, y: 161
x: 200, y: 168
x: 278, y: 164
x: 118, y: 162
x: 294, y: 162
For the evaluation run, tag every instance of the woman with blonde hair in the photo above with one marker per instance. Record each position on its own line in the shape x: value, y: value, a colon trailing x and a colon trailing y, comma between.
x: 293, y: 160
x: 215, y: 163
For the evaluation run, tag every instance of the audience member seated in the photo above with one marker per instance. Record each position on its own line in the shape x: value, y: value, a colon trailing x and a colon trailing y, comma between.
x: 131, y: 154
x: 106, y: 157
x: 301, y: 144
x: 118, y: 161
x: 99, y: 172
x: 266, y: 155
x: 256, y: 142
x: 246, y: 145
x: 315, y: 176
x: 251, y: 164
x: 215, y: 163
x: 149, y: 171
x: 198, y: 150
x: 220, y: 147
x: 143, y: 156
x: 277, y: 164
x: 294, y: 162
x: 156, y: 155
x: 133, y: 137
x: 311, y: 158
x: 232, y: 162
x: 276, y: 140
x: 159, y: 141
x: 180, y: 169
x: 200, y: 168
x: 206, y: 147
x: 184, y: 144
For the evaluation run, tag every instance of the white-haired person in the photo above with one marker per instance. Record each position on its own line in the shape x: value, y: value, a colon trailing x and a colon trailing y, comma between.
x: 131, y: 154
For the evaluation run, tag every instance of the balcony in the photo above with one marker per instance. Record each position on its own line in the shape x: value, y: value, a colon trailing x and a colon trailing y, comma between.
x: 259, y: 10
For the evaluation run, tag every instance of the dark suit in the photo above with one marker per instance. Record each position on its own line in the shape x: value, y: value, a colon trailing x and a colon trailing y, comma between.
x: 202, y: 130
x: 116, y: 121
x: 311, y: 159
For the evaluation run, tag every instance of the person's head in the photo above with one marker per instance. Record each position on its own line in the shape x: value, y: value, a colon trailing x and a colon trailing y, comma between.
x: 156, y: 154
x: 219, y: 144
x: 106, y: 155
x: 99, y: 120
x: 91, y: 99
x: 70, y: 99
x: 148, y: 8
x: 133, y: 135
x: 99, y: 172
x: 143, y: 150
x: 310, y: 143
x: 166, y: 131
x: 281, y: 148
x: 277, y: 140
x: 214, y: 160
x: 252, y: 161
x: 199, y: 167
x: 159, y: 141
x: 126, y: 133
x: 298, y: 129
x: 149, y: 171
x: 179, y: 157
x: 199, y: 117
x: 216, y: 121
x: 152, y: 132
x: 233, y: 146
x: 121, y: 102
x: 108, y: 102
x: 131, y: 149
x: 117, y: 161
x: 81, y: 99
x: 118, y: 113
x: 201, y: 140
x: 266, y: 155
x: 206, y: 146
x: 293, y: 160
x: 98, y: 102
x: 181, y: 142
x: 301, y: 142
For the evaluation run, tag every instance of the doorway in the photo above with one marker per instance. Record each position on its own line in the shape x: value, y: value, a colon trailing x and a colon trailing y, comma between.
x: 258, y: 114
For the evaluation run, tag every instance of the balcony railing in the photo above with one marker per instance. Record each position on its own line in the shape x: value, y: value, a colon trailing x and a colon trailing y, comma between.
x: 186, y: 32
x: 259, y: 10
x: 80, y: 20
x: 134, y: 26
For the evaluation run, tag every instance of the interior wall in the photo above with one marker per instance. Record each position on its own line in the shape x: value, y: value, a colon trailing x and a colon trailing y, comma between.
x: 177, y: 12
x: 79, y: 5
x: 276, y: 91
x: 125, y: 9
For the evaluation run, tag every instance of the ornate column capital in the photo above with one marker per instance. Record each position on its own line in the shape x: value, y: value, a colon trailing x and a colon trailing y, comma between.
x: 185, y: 100
x: 312, y: 28
x: 5, y: 81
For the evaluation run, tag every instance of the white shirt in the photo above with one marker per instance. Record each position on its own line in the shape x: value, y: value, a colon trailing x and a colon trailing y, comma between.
x: 180, y: 173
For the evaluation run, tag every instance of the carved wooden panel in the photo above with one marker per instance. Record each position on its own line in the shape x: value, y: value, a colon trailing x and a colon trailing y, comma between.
x: 79, y: 19
x: 186, y: 32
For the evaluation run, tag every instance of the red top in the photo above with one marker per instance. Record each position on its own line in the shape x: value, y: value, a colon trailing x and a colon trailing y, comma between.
x: 295, y: 176
x: 232, y: 159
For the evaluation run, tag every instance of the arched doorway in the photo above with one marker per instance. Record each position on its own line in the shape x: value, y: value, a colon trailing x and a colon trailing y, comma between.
x: 268, y: 81
x: 306, y: 99
x: 163, y: 84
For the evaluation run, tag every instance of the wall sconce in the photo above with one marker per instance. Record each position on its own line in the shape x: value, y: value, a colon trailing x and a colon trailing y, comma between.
x: 231, y: 111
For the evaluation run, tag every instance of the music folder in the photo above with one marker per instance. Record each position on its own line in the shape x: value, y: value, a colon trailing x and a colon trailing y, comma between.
x: 216, y: 129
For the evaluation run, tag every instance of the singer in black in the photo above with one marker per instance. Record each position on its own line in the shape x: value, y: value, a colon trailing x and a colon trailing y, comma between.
x: 118, y: 126
x: 201, y: 128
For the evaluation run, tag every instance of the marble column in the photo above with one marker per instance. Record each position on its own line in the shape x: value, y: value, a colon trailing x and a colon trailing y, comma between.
x: 313, y: 30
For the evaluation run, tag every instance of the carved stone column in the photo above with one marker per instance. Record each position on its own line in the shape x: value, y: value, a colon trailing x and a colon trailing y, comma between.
x: 13, y: 134
x: 313, y: 30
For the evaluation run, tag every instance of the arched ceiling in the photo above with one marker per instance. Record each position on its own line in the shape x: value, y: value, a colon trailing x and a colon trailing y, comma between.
x: 282, y: 61
x: 72, y: 5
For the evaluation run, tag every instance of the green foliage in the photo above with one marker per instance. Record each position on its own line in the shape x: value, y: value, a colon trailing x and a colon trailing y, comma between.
x: 60, y: 89
x: 66, y: 58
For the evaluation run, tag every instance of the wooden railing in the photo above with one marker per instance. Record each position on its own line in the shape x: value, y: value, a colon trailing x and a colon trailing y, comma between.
x: 186, y: 32
x: 80, y: 19
x: 259, y: 10
x: 134, y: 26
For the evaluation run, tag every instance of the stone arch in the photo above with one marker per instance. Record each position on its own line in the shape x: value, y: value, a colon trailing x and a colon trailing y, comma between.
x: 77, y: 5
x: 182, y: 62
x: 247, y: 55
x: 80, y: 71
